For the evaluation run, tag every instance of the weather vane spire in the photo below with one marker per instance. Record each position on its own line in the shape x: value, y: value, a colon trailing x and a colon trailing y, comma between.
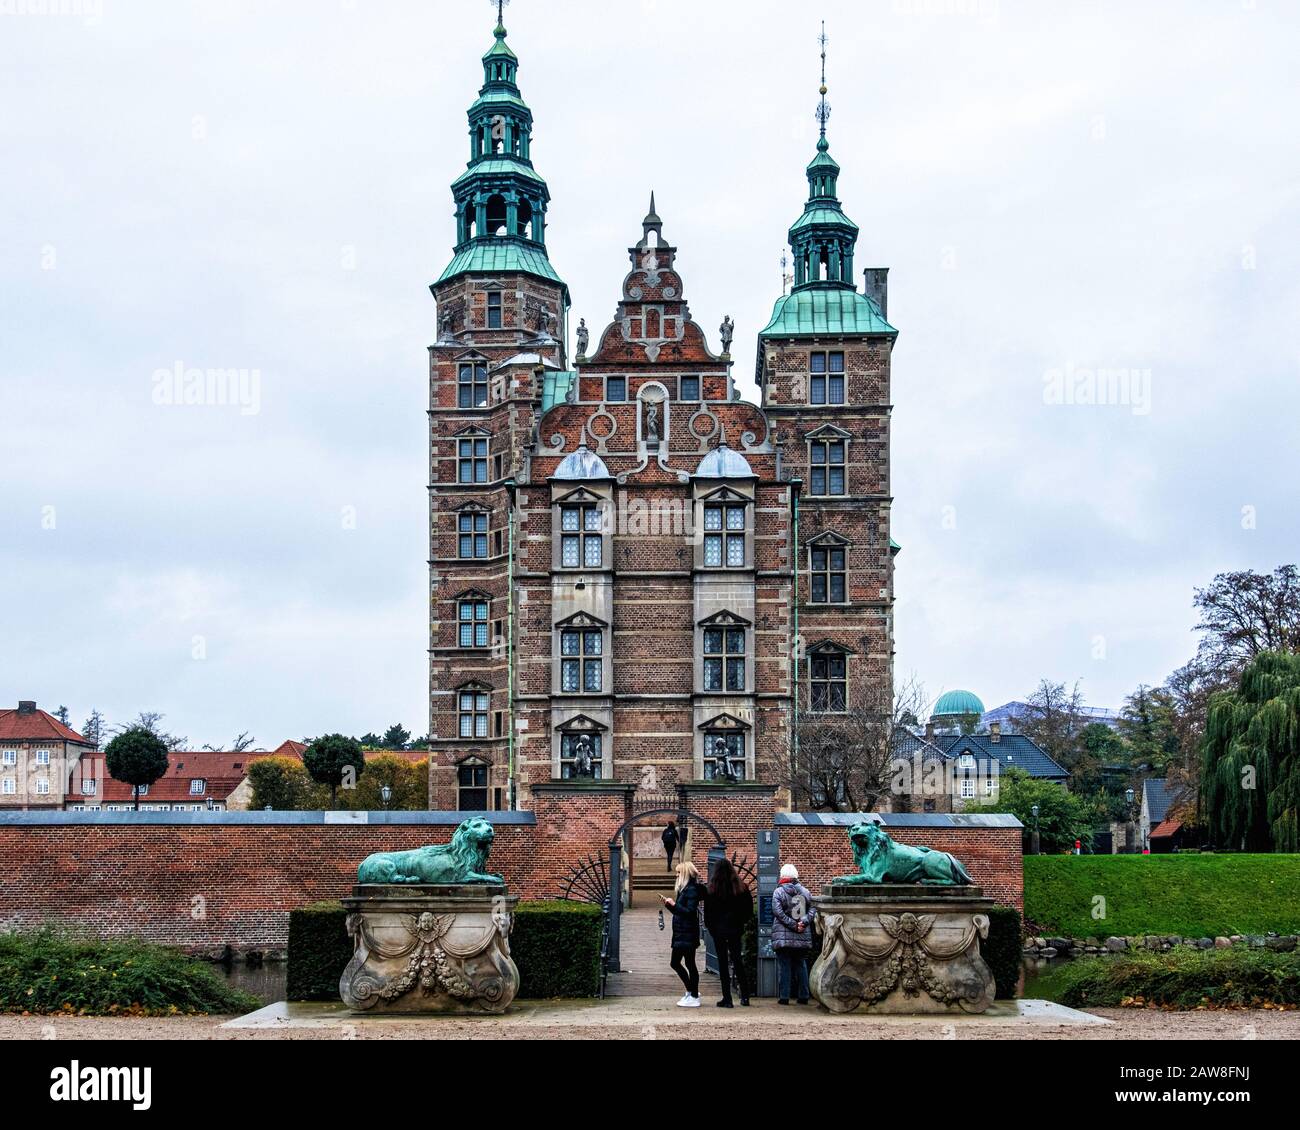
x: 823, y: 110
x: 500, y: 6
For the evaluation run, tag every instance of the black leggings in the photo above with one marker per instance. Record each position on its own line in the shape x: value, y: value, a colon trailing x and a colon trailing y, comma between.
x: 683, y: 964
x: 728, y: 946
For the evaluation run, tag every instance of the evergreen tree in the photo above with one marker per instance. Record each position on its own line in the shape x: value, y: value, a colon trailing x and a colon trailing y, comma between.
x: 396, y: 736
x: 137, y: 757
x: 335, y: 760
x: 93, y: 729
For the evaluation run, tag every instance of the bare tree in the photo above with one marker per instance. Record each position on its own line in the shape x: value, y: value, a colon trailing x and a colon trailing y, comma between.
x: 842, y: 762
x: 1055, y: 720
x: 1245, y: 613
x: 151, y: 720
x: 242, y: 742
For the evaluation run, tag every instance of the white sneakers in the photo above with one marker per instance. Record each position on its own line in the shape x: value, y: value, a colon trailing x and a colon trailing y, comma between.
x: 688, y: 1001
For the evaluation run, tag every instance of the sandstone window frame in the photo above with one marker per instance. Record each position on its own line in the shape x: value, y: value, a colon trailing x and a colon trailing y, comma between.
x: 724, y: 622
x: 821, y: 386
x: 582, y: 624
x: 828, y: 668
x: 565, y: 736
x: 723, y: 724
x: 611, y: 381
x: 479, y: 523
x: 593, y: 532
x: 473, y: 447
x: 828, y: 449
x: 723, y: 500
x: 472, y: 387
x: 828, y: 544
x: 479, y: 606
x: 473, y: 712
x: 477, y: 765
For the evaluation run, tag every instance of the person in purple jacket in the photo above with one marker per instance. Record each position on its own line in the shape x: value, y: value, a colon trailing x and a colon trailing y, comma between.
x: 793, y: 914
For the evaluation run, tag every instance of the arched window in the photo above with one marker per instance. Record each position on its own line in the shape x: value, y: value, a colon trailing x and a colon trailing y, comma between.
x: 525, y: 222
x: 496, y: 215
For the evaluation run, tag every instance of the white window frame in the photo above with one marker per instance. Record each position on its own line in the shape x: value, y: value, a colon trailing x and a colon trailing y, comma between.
x: 42, y: 757
x: 967, y: 788
x: 8, y: 786
x: 198, y: 786
x: 42, y: 786
x: 9, y: 757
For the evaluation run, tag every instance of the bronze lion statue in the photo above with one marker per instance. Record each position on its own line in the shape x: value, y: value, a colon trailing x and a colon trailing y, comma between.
x: 461, y: 861
x: 881, y: 860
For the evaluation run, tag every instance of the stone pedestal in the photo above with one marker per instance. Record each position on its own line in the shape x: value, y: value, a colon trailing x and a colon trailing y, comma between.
x: 430, y: 949
x: 903, y: 949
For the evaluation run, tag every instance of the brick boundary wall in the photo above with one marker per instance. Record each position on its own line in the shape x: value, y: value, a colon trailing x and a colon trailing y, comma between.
x: 205, y: 881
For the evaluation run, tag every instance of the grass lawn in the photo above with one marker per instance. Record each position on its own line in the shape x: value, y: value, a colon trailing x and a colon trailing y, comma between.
x: 1191, y: 895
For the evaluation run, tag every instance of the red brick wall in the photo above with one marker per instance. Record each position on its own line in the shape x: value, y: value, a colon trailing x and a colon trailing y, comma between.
x: 991, y: 855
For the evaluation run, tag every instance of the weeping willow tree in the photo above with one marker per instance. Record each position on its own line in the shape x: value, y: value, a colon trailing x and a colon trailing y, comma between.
x: 1250, y: 776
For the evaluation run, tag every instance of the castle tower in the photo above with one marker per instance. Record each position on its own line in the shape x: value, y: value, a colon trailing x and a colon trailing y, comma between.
x: 502, y: 313
x: 824, y: 372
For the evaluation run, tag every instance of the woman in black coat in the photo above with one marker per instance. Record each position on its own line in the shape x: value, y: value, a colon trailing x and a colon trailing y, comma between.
x: 727, y: 910
x: 685, y: 906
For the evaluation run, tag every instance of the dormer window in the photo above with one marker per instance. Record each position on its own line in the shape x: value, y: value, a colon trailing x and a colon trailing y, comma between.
x: 472, y: 385
x: 198, y: 786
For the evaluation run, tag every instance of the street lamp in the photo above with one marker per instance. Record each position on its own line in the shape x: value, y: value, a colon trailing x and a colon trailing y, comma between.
x: 387, y: 793
x: 1130, y: 828
x: 1035, y: 844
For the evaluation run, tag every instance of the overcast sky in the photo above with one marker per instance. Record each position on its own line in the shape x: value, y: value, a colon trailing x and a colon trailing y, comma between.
x: 1057, y: 188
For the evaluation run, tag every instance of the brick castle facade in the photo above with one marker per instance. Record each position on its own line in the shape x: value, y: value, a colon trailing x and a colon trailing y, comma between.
x: 634, y: 574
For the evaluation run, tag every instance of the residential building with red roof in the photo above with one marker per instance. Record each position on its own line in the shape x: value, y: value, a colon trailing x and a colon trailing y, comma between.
x: 38, y: 758
x: 194, y: 782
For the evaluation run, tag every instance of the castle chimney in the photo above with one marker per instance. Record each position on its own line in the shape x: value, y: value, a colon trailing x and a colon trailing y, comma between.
x: 26, y: 706
x: 929, y: 731
x: 876, y: 287
x: 995, y: 731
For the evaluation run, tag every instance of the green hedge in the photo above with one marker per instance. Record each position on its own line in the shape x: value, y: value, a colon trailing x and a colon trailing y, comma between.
x: 1182, y: 979
x: 1189, y: 895
x: 556, y: 946
x: 319, y: 949
x: 1002, y: 949
x: 48, y: 971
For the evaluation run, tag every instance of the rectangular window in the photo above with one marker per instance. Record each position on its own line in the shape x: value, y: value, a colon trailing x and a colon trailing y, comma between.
x: 472, y: 460
x: 473, y: 620
x: 472, y: 388
x: 724, y: 659
x: 581, y: 666
x: 198, y: 786
x: 42, y: 757
x: 42, y: 786
x: 472, y: 786
x: 10, y: 757
x: 88, y: 787
x: 8, y: 786
x: 724, y: 755
x: 616, y: 389
x: 494, y: 310
x: 826, y: 466
x: 826, y: 378
x: 828, y: 575
x: 473, y: 535
x: 728, y: 542
x: 581, y: 540
x: 967, y: 788
x: 829, y: 675
x: 474, y: 713
x: 690, y: 388
x: 571, y: 745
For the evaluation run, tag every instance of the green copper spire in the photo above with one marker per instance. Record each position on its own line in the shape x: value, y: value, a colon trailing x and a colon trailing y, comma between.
x: 824, y: 298
x: 823, y: 238
x: 501, y: 200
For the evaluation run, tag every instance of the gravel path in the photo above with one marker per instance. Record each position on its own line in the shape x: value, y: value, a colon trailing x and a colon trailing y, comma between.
x: 646, y: 1019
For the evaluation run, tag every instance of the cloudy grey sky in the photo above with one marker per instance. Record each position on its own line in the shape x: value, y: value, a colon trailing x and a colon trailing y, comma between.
x: 1058, y: 188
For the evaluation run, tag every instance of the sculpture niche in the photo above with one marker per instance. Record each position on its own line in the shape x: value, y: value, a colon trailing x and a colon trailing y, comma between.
x: 902, y: 934
x: 431, y: 929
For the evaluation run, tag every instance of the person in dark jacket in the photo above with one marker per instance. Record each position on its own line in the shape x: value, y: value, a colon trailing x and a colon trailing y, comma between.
x: 670, y: 842
x: 792, y: 921
x: 685, y: 905
x: 727, y: 910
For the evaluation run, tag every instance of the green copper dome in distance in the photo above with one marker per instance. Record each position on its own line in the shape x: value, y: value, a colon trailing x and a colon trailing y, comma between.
x: 956, y: 703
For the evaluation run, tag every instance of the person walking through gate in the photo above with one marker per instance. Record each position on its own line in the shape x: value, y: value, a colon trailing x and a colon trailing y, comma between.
x: 670, y: 842
x: 685, y: 905
x: 728, y: 907
x: 792, y: 920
